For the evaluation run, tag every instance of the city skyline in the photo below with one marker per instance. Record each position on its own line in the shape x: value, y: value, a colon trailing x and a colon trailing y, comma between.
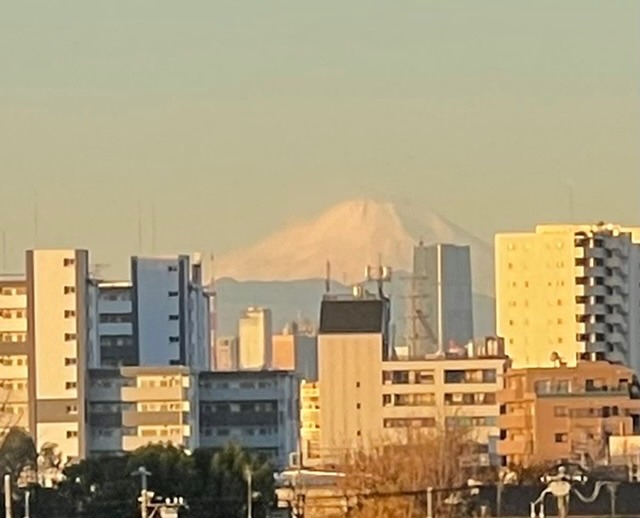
x: 227, y: 126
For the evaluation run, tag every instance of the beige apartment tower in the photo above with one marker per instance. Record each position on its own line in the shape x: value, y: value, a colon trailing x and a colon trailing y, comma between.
x: 566, y: 290
x: 57, y: 341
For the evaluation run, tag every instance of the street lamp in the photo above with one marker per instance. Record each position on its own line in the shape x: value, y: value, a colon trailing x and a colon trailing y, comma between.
x: 143, y: 473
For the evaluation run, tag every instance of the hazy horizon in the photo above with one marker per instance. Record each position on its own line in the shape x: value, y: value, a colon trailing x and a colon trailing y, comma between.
x: 236, y: 118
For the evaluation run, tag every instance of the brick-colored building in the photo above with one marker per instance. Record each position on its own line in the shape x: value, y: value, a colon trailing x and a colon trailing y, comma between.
x: 566, y: 413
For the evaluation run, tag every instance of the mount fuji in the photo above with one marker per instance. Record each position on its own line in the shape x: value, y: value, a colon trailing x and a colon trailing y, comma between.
x: 350, y: 236
x: 285, y: 270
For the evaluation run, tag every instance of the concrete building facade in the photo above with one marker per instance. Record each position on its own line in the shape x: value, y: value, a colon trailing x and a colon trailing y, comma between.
x: 57, y: 289
x: 441, y: 299
x: 257, y: 409
x: 366, y: 398
x: 14, y: 352
x: 255, y: 338
x: 565, y: 290
x: 566, y: 413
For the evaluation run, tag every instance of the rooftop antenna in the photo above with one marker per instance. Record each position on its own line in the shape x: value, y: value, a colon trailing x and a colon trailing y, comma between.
x: 153, y: 228
x: 4, y: 251
x: 327, y: 278
x: 139, y: 226
x: 35, y: 220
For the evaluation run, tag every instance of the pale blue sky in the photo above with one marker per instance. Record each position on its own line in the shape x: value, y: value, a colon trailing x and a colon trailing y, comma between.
x: 237, y: 117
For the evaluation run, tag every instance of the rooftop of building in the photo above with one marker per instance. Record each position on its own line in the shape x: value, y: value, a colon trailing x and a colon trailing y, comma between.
x: 352, y: 315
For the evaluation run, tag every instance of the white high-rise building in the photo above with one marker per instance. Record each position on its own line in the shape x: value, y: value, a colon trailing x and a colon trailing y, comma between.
x: 254, y: 332
x: 566, y: 290
x: 441, y: 300
x: 58, y: 334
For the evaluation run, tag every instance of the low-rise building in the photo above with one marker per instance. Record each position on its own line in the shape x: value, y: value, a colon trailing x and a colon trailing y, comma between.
x: 257, y: 409
x: 566, y: 413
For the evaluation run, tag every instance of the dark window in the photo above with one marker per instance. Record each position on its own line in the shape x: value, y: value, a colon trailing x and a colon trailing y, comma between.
x: 173, y: 294
x: 561, y: 437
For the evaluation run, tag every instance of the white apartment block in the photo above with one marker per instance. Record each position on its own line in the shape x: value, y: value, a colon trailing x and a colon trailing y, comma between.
x: 566, y: 290
x: 14, y: 409
x: 131, y: 407
x: 255, y: 335
x: 57, y: 336
x: 367, y: 399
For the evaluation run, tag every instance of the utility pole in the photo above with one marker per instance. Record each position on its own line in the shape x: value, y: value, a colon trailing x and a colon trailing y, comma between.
x: 144, y: 494
x: 7, y: 496
x: 247, y: 474
x: 27, y: 503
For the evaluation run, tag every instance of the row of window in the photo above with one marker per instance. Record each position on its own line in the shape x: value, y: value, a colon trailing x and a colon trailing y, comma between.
x: 161, y: 407
x: 13, y: 337
x: 12, y: 291
x: 116, y: 341
x: 245, y: 431
x: 223, y: 385
x: 9, y: 361
x: 428, y: 378
x: 13, y: 384
x: 259, y: 407
x: 13, y: 313
x: 116, y: 318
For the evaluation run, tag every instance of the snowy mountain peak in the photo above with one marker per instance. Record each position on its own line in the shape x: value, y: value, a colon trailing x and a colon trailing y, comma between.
x: 351, y: 235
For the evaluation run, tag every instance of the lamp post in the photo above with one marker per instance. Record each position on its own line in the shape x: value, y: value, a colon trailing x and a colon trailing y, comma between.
x: 144, y: 494
x: 248, y: 478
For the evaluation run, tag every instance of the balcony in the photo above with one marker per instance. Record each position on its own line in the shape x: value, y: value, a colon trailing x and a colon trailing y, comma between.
x: 518, y: 421
x: 616, y: 300
x: 514, y: 447
x: 154, y: 394
x: 596, y: 271
x: 133, y: 442
x: 134, y: 418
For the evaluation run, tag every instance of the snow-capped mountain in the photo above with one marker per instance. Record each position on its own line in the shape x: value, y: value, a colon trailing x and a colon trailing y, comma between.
x: 351, y: 235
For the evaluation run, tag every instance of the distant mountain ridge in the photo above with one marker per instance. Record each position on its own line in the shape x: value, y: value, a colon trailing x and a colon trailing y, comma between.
x: 351, y: 235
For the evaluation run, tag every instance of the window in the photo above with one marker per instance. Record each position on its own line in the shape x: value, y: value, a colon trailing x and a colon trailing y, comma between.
x: 560, y: 321
x: 173, y: 294
x: 561, y: 437
x: 172, y: 268
x: 357, y: 406
x: 70, y: 361
x: 69, y: 337
x: 69, y: 313
x: 68, y: 290
x: 560, y: 411
x: 68, y: 261
x: 70, y: 385
x: 174, y: 339
x: 559, y: 302
x: 174, y: 317
x: 357, y: 384
x: 72, y: 409
x: 72, y: 434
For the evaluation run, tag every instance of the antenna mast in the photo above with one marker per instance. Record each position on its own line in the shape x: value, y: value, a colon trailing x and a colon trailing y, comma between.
x: 327, y: 278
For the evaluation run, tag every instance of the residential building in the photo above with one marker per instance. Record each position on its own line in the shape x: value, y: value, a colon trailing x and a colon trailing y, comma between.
x: 57, y: 336
x: 117, y: 344
x: 366, y: 397
x: 254, y: 332
x: 258, y: 409
x: 14, y: 350
x: 130, y: 407
x: 226, y: 354
x: 171, y: 313
x: 441, y: 300
x: 310, y: 422
x: 566, y: 412
x: 565, y: 290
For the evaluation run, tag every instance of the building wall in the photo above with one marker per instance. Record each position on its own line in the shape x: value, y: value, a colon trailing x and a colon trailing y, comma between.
x: 257, y: 409
x: 226, y: 354
x: 350, y: 369
x: 563, y: 413
x: 255, y: 332
x: 296, y: 352
x: 161, y: 302
x: 58, y: 331
x: 14, y: 410
x: 117, y: 342
x: 310, y: 422
x: 568, y: 290
x: 131, y: 407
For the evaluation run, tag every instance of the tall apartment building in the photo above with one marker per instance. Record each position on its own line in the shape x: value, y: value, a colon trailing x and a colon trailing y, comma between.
x: 441, y: 300
x: 566, y: 413
x: 58, y: 335
x: 254, y: 333
x: 366, y: 397
x: 565, y: 290
x: 257, y: 409
x: 14, y: 350
x: 171, y: 313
